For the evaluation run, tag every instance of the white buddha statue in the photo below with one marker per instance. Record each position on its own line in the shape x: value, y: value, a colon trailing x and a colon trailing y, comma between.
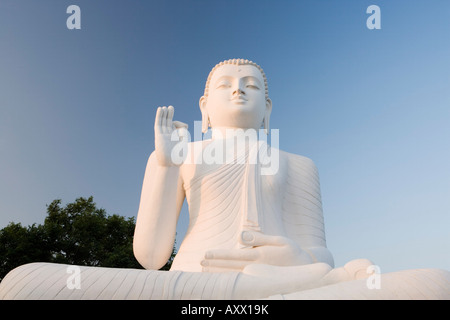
x: 237, y: 215
x: 256, y: 226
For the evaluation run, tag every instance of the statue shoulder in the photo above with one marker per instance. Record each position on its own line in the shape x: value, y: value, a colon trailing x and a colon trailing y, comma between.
x: 295, y: 161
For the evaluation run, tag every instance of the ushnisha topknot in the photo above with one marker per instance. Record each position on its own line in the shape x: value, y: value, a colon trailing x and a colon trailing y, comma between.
x: 237, y: 62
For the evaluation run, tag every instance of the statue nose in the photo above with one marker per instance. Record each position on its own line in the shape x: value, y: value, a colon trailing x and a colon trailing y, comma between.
x: 238, y: 92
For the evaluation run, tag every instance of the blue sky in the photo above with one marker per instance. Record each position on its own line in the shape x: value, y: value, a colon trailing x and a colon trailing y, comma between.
x: 370, y: 107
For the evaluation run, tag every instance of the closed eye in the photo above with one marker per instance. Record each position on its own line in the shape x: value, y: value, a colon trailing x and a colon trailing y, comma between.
x: 223, y: 85
x: 252, y: 86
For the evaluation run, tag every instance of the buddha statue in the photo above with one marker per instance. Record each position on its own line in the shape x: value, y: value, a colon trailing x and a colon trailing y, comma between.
x: 256, y: 226
x: 237, y: 215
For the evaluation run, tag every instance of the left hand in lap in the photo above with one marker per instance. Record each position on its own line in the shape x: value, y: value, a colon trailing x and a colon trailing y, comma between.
x: 258, y: 248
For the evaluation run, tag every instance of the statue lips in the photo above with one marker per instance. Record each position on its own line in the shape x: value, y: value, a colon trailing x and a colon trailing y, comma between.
x: 239, y: 99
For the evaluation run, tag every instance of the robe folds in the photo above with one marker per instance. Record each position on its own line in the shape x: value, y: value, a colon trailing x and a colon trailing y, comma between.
x: 227, y: 198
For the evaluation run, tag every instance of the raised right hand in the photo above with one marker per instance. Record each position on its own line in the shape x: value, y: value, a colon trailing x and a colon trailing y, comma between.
x: 169, y: 135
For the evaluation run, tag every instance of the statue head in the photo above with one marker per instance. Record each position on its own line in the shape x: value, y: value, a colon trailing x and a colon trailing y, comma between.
x: 236, y: 96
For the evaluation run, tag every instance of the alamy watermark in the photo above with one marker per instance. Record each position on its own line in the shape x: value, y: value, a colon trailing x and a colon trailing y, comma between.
x: 73, y: 22
x: 374, y: 21
x: 229, y: 146
x: 374, y: 280
x: 74, y: 279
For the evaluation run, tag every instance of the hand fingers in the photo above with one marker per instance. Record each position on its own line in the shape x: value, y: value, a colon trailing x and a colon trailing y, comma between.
x: 179, y: 124
x: 164, y: 120
x: 170, y: 112
x: 223, y: 265
x: 158, y: 120
x: 255, y: 239
x: 239, y: 254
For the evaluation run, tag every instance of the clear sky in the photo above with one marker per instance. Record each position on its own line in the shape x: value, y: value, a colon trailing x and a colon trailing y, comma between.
x: 370, y: 107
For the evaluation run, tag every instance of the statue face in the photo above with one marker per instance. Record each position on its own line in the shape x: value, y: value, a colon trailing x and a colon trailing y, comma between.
x: 236, y: 97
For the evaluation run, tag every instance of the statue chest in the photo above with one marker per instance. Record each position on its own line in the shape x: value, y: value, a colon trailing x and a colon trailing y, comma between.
x: 234, y: 197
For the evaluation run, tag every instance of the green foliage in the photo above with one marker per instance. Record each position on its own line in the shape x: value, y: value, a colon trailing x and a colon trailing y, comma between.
x: 78, y: 234
x: 20, y: 245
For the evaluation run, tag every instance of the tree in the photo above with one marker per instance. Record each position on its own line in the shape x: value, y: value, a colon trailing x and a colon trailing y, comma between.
x: 79, y: 234
x: 20, y: 245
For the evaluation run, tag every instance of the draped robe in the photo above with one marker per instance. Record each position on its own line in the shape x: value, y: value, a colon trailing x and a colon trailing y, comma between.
x: 227, y: 198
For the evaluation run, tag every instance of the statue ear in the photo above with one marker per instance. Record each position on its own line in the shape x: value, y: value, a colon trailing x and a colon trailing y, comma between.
x: 267, y: 115
x: 205, y: 117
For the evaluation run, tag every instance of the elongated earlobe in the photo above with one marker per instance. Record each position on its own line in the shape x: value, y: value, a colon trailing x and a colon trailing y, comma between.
x: 205, y: 117
x: 266, y: 120
x: 205, y: 122
x: 266, y: 124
